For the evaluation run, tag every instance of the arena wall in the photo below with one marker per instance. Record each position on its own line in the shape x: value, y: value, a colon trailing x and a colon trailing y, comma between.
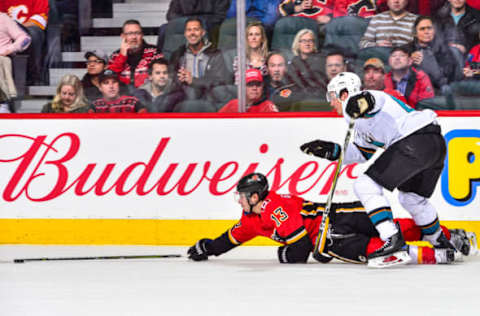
x: 168, y: 179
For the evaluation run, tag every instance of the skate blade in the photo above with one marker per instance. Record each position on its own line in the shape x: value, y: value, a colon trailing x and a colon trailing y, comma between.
x: 397, y: 258
x: 472, y: 238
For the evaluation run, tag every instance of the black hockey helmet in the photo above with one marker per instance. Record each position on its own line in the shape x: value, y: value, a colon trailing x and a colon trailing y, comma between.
x: 254, y: 183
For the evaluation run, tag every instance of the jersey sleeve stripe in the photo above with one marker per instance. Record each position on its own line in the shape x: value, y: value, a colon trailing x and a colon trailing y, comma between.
x: 350, y: 210
x: 232, y: 239
x: 296, y: 236
x: 367, y: 153
x: 40, y: 20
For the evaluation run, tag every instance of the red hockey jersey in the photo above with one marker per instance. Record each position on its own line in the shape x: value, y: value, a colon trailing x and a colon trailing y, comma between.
x: 283, y: 219
x: 287, y: 218
x: 23, y: 11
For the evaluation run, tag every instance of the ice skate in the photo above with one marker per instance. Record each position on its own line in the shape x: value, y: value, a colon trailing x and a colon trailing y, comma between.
x: 460, y: 240
x: 472, y: 238
x: 393, y: 252
x: 439, y: 240
x: 447, y: 256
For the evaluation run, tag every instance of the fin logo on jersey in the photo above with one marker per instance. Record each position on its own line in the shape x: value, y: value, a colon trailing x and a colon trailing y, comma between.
x: 461, y: 174
x: 369, y: 139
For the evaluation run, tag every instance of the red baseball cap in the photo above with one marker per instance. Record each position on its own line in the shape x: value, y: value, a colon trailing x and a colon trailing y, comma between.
x: 252, y: 75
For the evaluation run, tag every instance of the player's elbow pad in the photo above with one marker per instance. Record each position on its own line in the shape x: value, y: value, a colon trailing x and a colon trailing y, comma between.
x: 297, y: 252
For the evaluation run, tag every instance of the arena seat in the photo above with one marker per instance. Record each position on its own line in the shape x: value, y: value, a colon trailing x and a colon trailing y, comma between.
x: 285, y: 30
x: 227, y: 38
x: 344, y: 33
x: 174, y: 36
x: 221, y: 95
x: 194, y: 106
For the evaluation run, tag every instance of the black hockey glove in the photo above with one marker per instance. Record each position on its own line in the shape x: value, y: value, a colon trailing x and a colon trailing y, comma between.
x: 199, y: 252
x: 322, y: 149
x: 359, y: 105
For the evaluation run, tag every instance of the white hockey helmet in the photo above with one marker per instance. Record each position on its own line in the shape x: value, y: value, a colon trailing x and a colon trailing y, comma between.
x: 343, y: 81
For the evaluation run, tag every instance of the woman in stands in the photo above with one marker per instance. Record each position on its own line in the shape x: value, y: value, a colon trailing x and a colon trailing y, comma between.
x: 257, y: 49
x: 69, y: 97
x: 307, y: 67
x: 432, y: 54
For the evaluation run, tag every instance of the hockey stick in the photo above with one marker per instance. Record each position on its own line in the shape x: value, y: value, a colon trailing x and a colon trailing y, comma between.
x: 322, y: 233
x: 94, y: 258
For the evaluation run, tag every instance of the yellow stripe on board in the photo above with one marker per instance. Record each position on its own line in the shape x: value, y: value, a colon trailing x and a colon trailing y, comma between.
x: 132, y: 231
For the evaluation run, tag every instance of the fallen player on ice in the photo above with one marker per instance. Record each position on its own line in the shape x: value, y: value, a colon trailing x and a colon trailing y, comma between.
x: 294, y: 222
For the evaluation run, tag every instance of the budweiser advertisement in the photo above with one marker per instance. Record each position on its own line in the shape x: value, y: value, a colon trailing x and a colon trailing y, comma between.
x: 186, y: 167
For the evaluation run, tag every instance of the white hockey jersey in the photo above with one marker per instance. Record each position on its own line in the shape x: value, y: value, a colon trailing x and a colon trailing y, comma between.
x: 388, y: 122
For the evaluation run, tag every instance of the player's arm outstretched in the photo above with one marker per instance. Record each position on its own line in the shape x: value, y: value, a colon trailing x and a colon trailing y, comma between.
x: 331, y: 151
x: 358, y: 106
x: 207, y: 247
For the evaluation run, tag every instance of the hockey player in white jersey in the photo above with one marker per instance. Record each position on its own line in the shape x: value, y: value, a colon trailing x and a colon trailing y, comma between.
x: 412, y: 161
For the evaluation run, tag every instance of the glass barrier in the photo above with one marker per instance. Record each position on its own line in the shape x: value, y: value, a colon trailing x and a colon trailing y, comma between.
x: 175, y: 56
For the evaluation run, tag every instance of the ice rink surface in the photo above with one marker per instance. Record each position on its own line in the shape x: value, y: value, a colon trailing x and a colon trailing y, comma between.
x: 247, y: 281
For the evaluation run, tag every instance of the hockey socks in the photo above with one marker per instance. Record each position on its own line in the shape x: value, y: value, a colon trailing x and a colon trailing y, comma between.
x: 382, y: 218
x: 426, y: 255
x: 431, y: 230
x: 419, y: 254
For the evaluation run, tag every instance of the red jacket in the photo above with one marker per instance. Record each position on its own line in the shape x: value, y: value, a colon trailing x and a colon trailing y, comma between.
x: 419, y: 86
x: 262, y: 106
x: 473, y: 55
x: 118, y: 63
x: 474, y: 4
x: 23, y: 11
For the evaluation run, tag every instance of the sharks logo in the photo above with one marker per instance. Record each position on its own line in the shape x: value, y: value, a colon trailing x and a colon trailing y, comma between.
x: 371, y: 140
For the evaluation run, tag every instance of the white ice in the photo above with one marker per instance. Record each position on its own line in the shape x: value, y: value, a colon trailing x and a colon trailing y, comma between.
x: 247, y: 281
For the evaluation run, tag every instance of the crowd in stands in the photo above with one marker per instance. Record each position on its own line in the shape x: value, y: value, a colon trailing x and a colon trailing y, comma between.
x: 426, y: 53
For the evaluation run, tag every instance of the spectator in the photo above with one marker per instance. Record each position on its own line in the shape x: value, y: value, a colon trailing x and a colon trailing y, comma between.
x: 362, y: 8
x: 373, y: 74
x: 421, y: 7
x: 112, y: 101
x: 472, y: 65
x: 335, y: 63
x: 432, y: 55
x: 97, y: 61
x: 374, y: 78
x: 278, y: 90
x: 4, y: 104
x: 459, y: 23
x: 414, y: 84
x: 318, y: 10
x: 264, y: 11
x: 69, y: 97
x: 306, y: 69
x: 12, y: 40
x: 199, y: 66
x: 160, y: 93
x: 257, y: 49
x: 389, y: 28
x: 211, y: 12
x: 131, y: 61
x: 255, y: 100
x: 32, y: 15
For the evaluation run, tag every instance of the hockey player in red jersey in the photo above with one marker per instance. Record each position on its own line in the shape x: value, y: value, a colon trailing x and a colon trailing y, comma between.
x: 294, y: 222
